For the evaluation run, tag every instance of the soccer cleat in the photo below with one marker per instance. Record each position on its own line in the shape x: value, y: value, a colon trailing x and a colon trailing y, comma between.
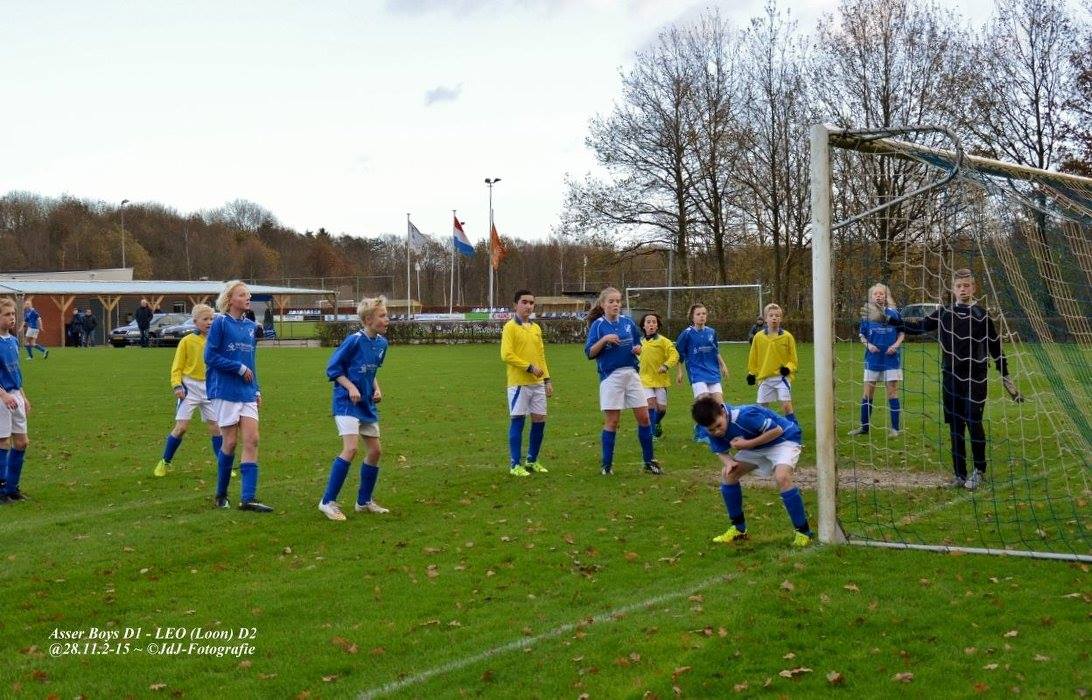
x: 858, y: 431
x: 371, y: 507
x: 956, y: 482
x: 255, y: 507
x: 536, y: 468
x: 732, y: 534
x: 802, y: 539
x: 331, y: 510
x: 606, y: 470
x: 222, y: 502
x: 161, y: 468
x: 892, y: 433
x: 518, y: 470
x: 653, y: 467
x: 657, y: 431
x: 975, y: 480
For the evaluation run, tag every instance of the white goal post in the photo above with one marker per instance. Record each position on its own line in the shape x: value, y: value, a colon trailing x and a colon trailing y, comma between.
x: 683, y: 288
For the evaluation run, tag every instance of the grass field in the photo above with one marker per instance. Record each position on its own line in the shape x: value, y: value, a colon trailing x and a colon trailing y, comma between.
x: 475, y: 583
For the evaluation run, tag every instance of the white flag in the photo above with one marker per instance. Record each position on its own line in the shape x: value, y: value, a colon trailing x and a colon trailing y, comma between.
x: 415, y: 238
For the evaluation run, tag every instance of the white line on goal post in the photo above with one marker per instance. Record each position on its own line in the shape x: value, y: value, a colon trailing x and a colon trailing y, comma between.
x: 826, y: 487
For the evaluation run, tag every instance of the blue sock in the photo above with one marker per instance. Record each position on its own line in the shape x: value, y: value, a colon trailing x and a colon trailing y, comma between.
x: 733, y: 503
x: 15, y: 469
x: 515, y: 438
x: 607, y: 438
x: 896, y: 412
x: 172, y: 447
x: 338, y: 471
x: 538, y: 430
x: 248, y: 474
x: 644, y: 436
x: 223, y: 473
x: 368, y: 476
x: 866, y: 413
x: 794, y: 504
x: 792, y: 417
x: 217, y: 441
x: 3, y: 463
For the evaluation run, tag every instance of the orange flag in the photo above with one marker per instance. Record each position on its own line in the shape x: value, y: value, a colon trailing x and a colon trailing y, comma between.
x: 497, y: 251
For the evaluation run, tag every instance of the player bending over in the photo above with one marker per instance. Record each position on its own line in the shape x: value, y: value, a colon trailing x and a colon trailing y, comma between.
x: 763, y: 441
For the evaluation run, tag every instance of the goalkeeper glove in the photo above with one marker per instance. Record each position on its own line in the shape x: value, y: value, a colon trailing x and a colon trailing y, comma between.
x: 1010, y: 387
x: 784, y: 371
x: 750, y: 380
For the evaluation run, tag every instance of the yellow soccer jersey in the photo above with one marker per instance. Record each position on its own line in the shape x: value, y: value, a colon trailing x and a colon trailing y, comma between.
x: 655, y: 353
x: 769, y: 353
x: 189, y: 359
x: 521, y: 345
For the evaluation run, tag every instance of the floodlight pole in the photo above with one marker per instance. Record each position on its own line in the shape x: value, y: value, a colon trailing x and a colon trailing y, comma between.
x: 123, y: 203
x: 823, y: 337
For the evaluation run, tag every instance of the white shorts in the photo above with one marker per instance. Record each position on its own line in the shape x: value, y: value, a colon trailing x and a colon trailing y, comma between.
x: 194, y: 399
x: 228, y: 413
x: 622, y: 389
x: 659, y: 393
x: 527, y: 398
x: 704, y: 388
x: 32, y: 333
x: 14, y: 421
x: 351, y: 425
x: 768, y: 457
x: 772, y: 388
x: 883, y: 375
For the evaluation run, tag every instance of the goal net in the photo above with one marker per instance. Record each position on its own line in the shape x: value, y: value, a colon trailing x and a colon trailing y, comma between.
x: 950, y: 456
x: 733, y: 308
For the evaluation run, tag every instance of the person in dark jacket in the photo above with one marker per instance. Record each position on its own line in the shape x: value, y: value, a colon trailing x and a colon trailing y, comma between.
x: 88, y: 324
x: 143, y: 318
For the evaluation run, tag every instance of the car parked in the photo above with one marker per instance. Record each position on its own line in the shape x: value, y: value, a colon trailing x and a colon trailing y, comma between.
x: 129, y: 334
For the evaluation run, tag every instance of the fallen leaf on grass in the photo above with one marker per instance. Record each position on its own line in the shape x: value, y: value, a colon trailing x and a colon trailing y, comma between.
x: 835, y: 678
x: 794, y: 672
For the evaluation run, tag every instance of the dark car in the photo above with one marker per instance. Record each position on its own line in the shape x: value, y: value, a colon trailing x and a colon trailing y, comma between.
x: 130, y: 334
x: 170, y: 336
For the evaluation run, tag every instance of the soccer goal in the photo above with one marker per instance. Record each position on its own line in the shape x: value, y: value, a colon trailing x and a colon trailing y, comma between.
x: 733, y: 308
x: 907, y: 207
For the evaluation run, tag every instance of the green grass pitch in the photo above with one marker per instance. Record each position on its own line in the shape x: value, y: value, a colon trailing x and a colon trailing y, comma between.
x: 476, y: 583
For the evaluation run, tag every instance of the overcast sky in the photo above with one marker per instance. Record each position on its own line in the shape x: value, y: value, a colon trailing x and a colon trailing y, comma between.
x: 344, y: 115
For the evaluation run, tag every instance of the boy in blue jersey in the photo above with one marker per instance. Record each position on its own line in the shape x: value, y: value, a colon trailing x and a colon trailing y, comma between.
x: 699, y: 352
x: 353, y: 368
x: 764, y: 441
x: 231, y: 381
x: 14, y: 407
x: 882, y: 358
x: 614, y: 342
x: 32, y: 325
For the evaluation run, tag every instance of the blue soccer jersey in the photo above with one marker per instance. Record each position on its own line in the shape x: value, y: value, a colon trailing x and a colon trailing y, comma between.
x: 229, y: 348
x: 613, y: 357
x: 748, y: 422
x: 358, y: 359
x: 699, y: 351
x: 883, y: 336
x: 11, y: 377
x: 31, y: 318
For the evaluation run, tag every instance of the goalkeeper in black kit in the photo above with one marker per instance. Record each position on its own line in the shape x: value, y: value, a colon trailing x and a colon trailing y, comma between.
x: 968, y: 341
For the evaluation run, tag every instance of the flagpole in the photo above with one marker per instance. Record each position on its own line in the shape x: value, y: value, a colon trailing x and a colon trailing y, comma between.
x: 451, y: 299
x: 409, y: 308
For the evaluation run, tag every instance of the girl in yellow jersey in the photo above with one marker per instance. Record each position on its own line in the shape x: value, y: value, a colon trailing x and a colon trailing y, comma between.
x: 188, y: 384
x: 657, y: 358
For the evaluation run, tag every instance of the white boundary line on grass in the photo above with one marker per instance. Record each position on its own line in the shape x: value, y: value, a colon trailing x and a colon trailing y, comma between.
x: 524, y: 642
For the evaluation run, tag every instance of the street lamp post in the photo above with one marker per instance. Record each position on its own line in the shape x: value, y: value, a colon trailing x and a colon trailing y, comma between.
x: 123, y: 203
x: 490, y: 182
